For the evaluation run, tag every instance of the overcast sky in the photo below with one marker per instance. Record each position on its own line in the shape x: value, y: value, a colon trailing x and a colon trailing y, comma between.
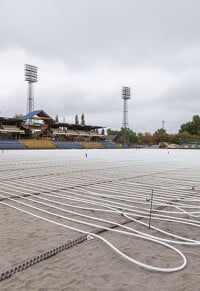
x: 86, y: 50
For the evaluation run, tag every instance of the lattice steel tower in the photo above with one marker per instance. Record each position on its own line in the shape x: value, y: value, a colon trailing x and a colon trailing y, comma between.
x: 30, y: 73
x: 126, y: 94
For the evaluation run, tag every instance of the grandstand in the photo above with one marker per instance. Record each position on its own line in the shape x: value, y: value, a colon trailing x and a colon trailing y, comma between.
x: 39, y: 130
x: 10, y: 128
x: 75, y: 132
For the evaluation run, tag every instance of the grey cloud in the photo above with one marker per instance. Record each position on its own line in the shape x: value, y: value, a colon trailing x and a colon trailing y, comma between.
x: 88, y: 32
x: 185, y: 95
x: 120, y: 35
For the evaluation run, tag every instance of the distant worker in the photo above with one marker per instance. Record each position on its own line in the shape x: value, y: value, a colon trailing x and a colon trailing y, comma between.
x: 86, y: 155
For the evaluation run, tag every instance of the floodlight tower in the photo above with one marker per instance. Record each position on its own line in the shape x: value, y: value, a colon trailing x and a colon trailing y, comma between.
x: 30, y: 75
x: 126, y: 94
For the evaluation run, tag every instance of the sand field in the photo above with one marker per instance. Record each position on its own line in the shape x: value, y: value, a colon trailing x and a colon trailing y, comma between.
x: 51, y: 197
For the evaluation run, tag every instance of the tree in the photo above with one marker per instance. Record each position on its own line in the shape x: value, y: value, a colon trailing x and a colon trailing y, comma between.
x: 160, y: 131
x: 17, y: 115
x: 160, y: 135
x: 56, y: 118
x: 103, y: 131
x: 112, y: 132
x: 146, y: 138
x: 193, y: 127
x: 184, y: 137
x: 129, y: 135
x: 82, y: 119
x: 76, y: 119
x: 196, y: 124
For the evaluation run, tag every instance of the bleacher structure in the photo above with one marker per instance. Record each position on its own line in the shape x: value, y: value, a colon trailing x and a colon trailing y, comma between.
x: 67, y: 145
x: 39, y: 125
x: 106, y: 144
x: 9, y: 144
x: 75, y: 132
x: 10, y: 128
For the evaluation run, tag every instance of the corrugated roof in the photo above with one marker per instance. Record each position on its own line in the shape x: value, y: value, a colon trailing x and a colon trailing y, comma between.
x: 41, y: 115
x: 30, y: 114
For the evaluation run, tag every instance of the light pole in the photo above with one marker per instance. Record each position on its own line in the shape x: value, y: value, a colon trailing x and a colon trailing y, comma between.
x: 126, y: 94
x: 30, y: 75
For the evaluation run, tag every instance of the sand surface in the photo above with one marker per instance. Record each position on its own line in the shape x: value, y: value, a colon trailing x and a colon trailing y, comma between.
x: 92, y: 265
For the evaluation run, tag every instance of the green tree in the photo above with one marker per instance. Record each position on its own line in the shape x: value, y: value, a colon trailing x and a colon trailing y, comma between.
x: 82, y: 119
x: 131, y: 136
x: 160, y: 135
x: 196, y: 124
x: 17, y: 115
x: 160, y: 131
x: 56, y: 118
x: 76, y: 119
x: 193, y: 127
x: 127, y: 136
x: 103, y: 131
x: 112, y: 132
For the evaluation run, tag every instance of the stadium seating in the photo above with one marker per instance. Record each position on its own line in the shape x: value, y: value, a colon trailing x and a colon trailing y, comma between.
x: 38, y: 143
x: 107, y: 144
x: 67, y: 145
x: 91, y: 145
x: 11, y: 144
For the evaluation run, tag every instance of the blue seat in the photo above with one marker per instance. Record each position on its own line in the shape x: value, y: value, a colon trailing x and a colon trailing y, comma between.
x: 107, y: 144
x: 67, y: 145
x: 11, y: 144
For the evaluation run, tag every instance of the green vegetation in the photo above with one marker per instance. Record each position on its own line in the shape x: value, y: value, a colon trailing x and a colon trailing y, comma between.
x: 76, y: 119
x: 189, y: 133
x: 192, y: 127
x: 17, y: 115
x: 129, y: 136
x: 112, y: 132
x: 82, y: 119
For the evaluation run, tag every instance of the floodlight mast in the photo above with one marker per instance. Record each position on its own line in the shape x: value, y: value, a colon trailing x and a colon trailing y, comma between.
x: 30, y: 75
x: 126, y: 94
x: 30, y: 98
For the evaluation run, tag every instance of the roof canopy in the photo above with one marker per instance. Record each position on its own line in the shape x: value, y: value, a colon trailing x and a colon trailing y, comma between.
x: 75, y: 126
x: 9, y: 120
x: 39, y: 115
